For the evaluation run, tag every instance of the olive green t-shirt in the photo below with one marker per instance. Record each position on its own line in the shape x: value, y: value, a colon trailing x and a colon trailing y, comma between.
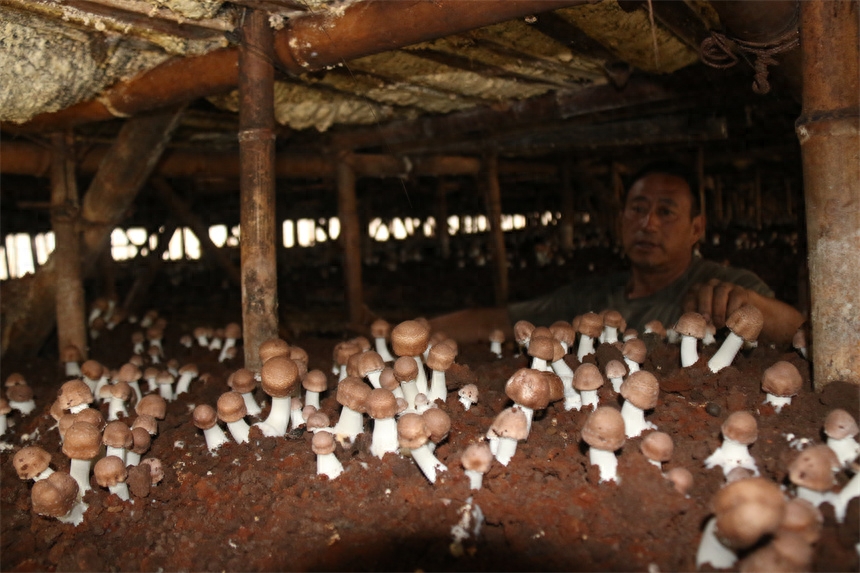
x: 595, y: 294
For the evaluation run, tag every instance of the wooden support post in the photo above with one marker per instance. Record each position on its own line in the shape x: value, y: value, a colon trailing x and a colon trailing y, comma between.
x: 700, y: 175
x: 829, y: 134
x: 257, y: 186
x: 30, y: 314
x: 497, y: 236
x: 442, y: 235
x: 183, y: 211
x: 65, y: 210
x: 567, y: 209
x: 350, y: 237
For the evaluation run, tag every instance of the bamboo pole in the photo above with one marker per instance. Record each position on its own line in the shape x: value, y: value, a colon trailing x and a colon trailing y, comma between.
x: 494, y: 215
x: 257, y: 186
x: 350, y: 237
x: 829, y: 134
x: 65, y: 212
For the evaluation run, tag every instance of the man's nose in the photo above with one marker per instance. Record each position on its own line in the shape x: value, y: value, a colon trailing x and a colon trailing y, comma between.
x: 649, y: 220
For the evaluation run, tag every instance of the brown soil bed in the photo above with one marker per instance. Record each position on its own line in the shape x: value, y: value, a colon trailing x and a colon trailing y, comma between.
x: 260, y: 506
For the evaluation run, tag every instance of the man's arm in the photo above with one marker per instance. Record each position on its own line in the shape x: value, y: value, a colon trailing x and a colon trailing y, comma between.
x: 718, y: 299
x: 473, y: 324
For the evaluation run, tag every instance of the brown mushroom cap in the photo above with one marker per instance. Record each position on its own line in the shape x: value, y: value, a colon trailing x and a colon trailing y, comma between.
x: 92, y: 416
x: 352, y: 392
x: 30, y: 461
x: 470, y: 392
x: 746, y: 322
x: 152, y: 405
x: 409, y: 338
x: 657, y: 446
x: 315, y: 381
x: 477, y: 458
x: 279, y: 376
x: 233, y: 330
x: 317, y: 420
x: 511, y: 423
x: 542, y: 331
x: 814, y: 468
x: 380, y: 328
x: 641, y: 389
x: 92, y: 369
x: 109, y: 471
x: 231, y: 407
x: 782, y: 379
x: 156, y: 469
x: 528, y: 388
x: 590, y: 324
x: 129, y: 373
x: 204, y: 416
x: 362, y: 342
x: 322, y: 443
x: 368, y: 362
x: 615, y: 369
x: 746, y: 510
x: 787, y: 552
x: 587, y: 377
x: 497, y: 335
x: 541, y: 347
x: 441, y: 356
x: 82, y: 441
x: 242, y: 381
x: 19, y: 393
x: 15, y: 379
x: 635, y: 350
x: 117, y: 435
x: 802, y: 518
x: 405, y: 369
x: 381, y: 403
x: 121, y: 390
x: 741, y: 427
x: 387, y: 379
x: 146, y: 422
x: 523, y: 331
x: 141, y: 440
x: 412, y: 431
x: 343, y: 351
x: 74, y: 393
x: 604, y: 429
x: 5, y: 408
x: 681, y: 478
x: 71, y: 353
x: 438, y: 424
x: 556, y: 386
x: 273, y: 347
x: 563, y: 332
x: 54, y: 496
x: 839, y: 424
x: 656, y: 327
x: 692, y: 324
x: 613, y: 318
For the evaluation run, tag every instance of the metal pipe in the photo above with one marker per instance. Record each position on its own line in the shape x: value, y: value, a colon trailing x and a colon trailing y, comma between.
x: 65, y: 211
x: 257, y: 186
x: 829, y: 134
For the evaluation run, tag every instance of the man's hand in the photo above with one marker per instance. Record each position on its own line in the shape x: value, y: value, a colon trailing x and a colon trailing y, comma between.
x: 716, y: 300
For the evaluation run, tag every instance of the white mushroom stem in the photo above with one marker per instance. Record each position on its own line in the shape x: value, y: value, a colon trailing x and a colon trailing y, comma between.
x: 586, y: 346
x: 184, y: 382
x: 135, y: 387
x: 476, y: 478
x: 572, y: 397
x: 606, y: 462
x: 841, y: 500
x: 312, y: 399
x: 80, y: 471
x: 672, y: 336
x: 373, y: 378
x: 539, y: 364
x: 410, y: 390
x: 215, y: 343
x: 239, y: 430
x: 384, y: 437
x: 847, y: 449
x: 132, y: 458
x: 120, y: 489
x: 777, y: 401
x: 610, y: 335
x: 816, y: 498
x: 711, y: 551
x: 464, y: 400
x: 72, y: 369
x: 422, y: 376
x: 215, y: 437
x: 631, y: 366
x: 529, y: 413
x: 166, y: 391
x: 726, y: 353
x: 228, y: 344
x: 253, y: 409
x: 201, y: 340
x: 507, y: 449
x: 589, y: 398
x: 115, y: 408
x: 25, y: 407
x: 329, y: 465
x: 616, y: 383
x: 4, y: 425
x: 382, y: 349
x: 103, y: 381
x: 44, y: 475
x: 138, y: 348
x: 634, y: 420
x: 656, y: 464
x: 349, y: 425
x: 76, y: 514
x: 689, y: 350
x: 730, y: 455
x: 428, y: 463
x: 276, y: 424
x: 493, y: 441
x: 438, y: 386
x: 296, y: 418
x: 114, y: 451
x: 495, y: 348
x: 561, y: 368
x: 79, y: 408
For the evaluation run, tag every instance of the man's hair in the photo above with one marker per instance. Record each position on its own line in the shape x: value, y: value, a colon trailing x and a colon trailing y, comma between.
x: 676, y: 169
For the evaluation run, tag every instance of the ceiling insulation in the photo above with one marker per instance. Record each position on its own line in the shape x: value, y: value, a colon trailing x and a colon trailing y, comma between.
x: 194, y: 9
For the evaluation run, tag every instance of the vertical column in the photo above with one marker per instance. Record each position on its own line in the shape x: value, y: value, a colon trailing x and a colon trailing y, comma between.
x: 257, y: 186
x: 442, y: 219
x: 567, y: 209
x: 65, y: 213
x: 494, y: 215
x: 350, y: 236
x: 700, y: 175
x: 829, y: 134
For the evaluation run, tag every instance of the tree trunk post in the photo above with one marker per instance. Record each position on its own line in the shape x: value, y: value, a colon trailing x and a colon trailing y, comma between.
x: 497, y: 236
x: 350, y: 236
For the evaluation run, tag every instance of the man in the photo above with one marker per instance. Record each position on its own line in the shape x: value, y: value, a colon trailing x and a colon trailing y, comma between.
x: 660, y: 226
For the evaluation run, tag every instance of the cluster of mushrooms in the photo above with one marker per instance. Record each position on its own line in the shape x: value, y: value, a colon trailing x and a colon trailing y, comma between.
x: 405, y: 392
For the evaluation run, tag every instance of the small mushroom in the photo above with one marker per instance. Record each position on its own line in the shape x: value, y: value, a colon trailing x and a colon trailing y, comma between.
x: 412, y: 433
x: 32, y: 463
x: 781, y: 381
x: 640, y: 392
x: 587, y: 380
x: 57, y: 497
x: 232, y: 411
x: 604, y: 433
x: 205, y: 418
x: 323, y: 445
x: 744, y: 324
x: 477, y: 460
x: 841, y: 429
x: 692, y: 327
x: 740, y: 430
x: 381, y: 405
x: 110, y: 472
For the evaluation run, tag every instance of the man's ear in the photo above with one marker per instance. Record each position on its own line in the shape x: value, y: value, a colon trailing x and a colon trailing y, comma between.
x: 698, y: 228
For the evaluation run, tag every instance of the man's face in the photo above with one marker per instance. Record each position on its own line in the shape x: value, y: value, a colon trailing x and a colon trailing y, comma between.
x: 656, y: 228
